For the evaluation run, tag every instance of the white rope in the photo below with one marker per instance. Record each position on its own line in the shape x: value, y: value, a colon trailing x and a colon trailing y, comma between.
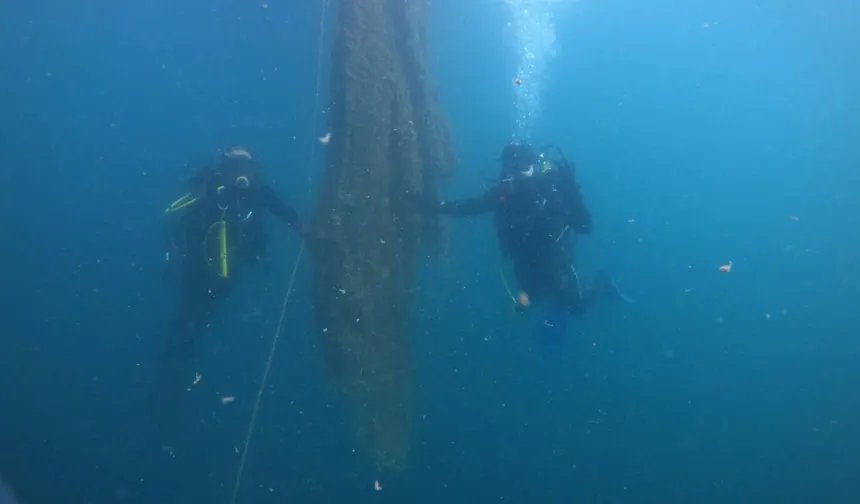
x: 259, y: 399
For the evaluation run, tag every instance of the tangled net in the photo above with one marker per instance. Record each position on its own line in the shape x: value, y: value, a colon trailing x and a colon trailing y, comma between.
x: 387, y: 138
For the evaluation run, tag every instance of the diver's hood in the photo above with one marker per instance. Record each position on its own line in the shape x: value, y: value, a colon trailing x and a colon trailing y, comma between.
x: 238, y: 152
x: 238, y: 163
x: 239, y: 171
x: 519, y: 160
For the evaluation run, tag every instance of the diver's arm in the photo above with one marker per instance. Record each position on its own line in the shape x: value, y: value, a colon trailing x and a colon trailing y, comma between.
x: 471, y: 206
x: 198, y: 184
x: 280, y: 209
x: 579, y: 218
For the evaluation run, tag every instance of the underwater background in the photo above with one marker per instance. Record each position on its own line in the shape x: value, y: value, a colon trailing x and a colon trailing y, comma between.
x: 703, y: 133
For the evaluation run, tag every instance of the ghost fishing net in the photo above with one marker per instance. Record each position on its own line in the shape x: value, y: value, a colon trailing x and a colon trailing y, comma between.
x: 387, y: 138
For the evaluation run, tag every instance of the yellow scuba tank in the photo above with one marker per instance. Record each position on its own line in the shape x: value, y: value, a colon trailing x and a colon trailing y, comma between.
x: 222, y: 240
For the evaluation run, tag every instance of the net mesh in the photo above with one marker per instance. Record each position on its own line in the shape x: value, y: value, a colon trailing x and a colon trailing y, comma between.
x: 387, y: 138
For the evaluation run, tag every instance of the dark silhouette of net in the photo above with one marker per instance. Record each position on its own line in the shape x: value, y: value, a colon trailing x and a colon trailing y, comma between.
x: 388, y: 138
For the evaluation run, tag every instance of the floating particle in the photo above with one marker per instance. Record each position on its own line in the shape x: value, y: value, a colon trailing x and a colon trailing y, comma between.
x: 265, y: 6
x: 523, y: 300
x: 227, y: 399
x: 631, y: 221
x: 325, y: 139
x: 794, y: 218
x: 197, y: 378
x: 518, y: 81
x: 376, y: 485
x: 726, y: 268
x: 767, y: 316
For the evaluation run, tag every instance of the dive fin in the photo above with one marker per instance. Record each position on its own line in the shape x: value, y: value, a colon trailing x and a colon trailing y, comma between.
x: 605, y: 284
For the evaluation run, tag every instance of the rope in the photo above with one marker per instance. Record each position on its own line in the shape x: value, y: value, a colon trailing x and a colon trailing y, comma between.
x: 266, y: 370
x: 259, y: 399
x: 505, y: 282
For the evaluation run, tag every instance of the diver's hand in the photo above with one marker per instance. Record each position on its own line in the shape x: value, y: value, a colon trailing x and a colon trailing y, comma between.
x: 305, y: 233
x: 299, y: 229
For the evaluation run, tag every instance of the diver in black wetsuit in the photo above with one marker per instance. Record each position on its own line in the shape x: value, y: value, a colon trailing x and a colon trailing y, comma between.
x: 539, y: 212
x: 217, y: 227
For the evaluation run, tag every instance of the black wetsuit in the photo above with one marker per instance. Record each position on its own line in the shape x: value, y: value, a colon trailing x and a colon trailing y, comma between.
x: 221, y: 198
x: 230, y: 192
x: 537, y: 219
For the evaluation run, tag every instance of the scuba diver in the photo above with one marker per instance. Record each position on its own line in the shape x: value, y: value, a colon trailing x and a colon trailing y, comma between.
x: 216, y: 227
x: 539, y: 212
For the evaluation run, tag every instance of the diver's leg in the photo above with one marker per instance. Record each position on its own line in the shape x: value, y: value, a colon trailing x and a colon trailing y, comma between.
x: 571, y: 293
x: 604, y: 286
x: 561, y: 293
x: 188, y: 326
x: 198, y: 297
x: 254, y: 241
x: 568, y: 289
x: 530, y: 277
x: 175, y: 370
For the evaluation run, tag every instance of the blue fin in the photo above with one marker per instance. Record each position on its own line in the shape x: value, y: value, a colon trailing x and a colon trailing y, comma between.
x: 553, y: 326
x: 604, y: 282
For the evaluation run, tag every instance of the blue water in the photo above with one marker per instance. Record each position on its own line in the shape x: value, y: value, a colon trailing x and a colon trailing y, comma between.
x: 6, y: 495
x: 703, y: 133
x: 552, y: 328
